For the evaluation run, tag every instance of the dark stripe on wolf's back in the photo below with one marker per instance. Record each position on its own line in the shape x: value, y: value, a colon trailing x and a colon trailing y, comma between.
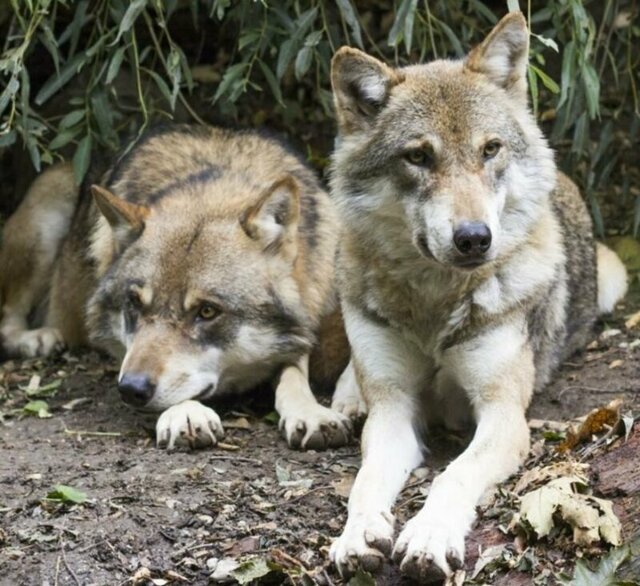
x: 123, y: 164
x: 197, y: 178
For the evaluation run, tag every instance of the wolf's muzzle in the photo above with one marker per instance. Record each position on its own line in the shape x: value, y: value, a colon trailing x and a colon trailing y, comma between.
x: 136, y: 389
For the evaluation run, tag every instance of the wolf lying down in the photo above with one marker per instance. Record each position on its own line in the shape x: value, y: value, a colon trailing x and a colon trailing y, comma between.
x: 204, y: 259
x: 467, y: 272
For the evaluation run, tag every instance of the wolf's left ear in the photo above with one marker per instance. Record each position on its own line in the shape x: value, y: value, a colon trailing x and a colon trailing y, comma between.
x: 125, y: 218
x: 361, y: 87
x: 273, y: 220
x: 504, y: 54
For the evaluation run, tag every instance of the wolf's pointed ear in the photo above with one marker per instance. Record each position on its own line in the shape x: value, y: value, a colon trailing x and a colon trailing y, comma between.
x: 503, y: 55
x: 124, y: 217
x: 361, y: 87
x: 273, y: 220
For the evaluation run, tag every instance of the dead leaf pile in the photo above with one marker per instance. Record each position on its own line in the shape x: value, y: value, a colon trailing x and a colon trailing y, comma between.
x: 562, y: 500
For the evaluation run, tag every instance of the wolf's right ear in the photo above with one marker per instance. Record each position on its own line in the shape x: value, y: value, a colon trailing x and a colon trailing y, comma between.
x: 361, y: 87
x: 125, y: 218
x: 503, y: 56
x: 273, y: 220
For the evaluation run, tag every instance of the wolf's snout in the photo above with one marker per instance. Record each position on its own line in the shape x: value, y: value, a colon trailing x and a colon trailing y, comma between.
x: 136, y: 389
x: 472, y: 239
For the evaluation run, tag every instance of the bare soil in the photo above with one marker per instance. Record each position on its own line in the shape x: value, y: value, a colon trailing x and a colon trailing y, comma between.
x: 153, y: 517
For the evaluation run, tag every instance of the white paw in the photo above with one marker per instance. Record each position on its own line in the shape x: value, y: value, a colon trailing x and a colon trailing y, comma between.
x: 347, y: 398
x: 315, y: 427
x: 431, y: 546
x: 365, y: 543
x: 188, y: 423
x: 32, y: 343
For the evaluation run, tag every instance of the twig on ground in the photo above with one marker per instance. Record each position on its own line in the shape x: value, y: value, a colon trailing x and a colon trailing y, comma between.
x: 96, y: 433
x: 66, y: 564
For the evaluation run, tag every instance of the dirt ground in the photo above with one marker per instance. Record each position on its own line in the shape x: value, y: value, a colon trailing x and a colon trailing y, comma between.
x: 153, y: 517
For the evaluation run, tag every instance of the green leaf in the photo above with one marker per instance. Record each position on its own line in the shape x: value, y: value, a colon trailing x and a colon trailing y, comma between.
x: 547, y: 42
x: 513, y: 5
x: 361, y: 578
x: 58, y: 81
x: 591, y: 85
x: 39, y: 408
x: 251, y: 570
x: 567, y: 75
x: 273, y: 418
x: 134, y: 10
x: 9, y: 93
x: 303, y: 62
x: 604, y: 574
x: 8, y: 138
x: 455, y: 42
x: 232, y: 74
x: 67, y: 494
x: 82, y: 158
x: 46, y: 390
x: 162, y: 85
x: 551, y: 85
x: 349, y: 14
x: 403, y: 24
x: 71, y: 119
x: 114, y: 65
x: 272, y: 81
x: 65, y: 137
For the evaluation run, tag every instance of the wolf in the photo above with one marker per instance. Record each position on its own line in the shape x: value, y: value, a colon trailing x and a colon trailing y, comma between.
x: 467, y: 272
x: 204, y: 259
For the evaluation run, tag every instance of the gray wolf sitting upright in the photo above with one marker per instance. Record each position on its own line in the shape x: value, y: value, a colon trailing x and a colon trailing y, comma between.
x: 205, y: 259
x: 467, y: 272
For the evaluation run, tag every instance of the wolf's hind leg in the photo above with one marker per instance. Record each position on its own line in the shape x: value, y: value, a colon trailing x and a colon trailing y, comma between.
x: 31, y: 241
x: 303, y: 421
x: 347, y: 398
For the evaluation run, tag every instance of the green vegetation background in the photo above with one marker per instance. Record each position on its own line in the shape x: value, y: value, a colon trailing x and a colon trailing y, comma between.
x: 82, y: 78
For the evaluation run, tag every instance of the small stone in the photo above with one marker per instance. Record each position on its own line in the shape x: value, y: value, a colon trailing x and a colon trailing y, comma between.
x: 610, y: 333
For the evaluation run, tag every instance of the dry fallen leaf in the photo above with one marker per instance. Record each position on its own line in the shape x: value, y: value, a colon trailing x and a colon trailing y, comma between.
x: 343, y: 486
x: 538, y: 476
x: 591, y: 518
x: 597, y: 421
x: 632, y: 321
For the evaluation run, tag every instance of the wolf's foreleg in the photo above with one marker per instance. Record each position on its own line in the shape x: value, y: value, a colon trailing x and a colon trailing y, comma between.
x: 389, y: 373
x: 303, y: 421
x: 496, y: 369
x: 31, y: 241
x: 347, y: 398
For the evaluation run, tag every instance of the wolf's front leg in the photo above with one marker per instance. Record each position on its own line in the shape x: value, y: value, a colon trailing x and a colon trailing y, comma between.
x: 303, y: 421
x: 389, y: 372
x: 496, y: 369
x: 190, y: 423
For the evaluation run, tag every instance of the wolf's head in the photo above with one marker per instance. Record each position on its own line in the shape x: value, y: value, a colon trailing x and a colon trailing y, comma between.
x: 202, y: 298
x: 446, y: 153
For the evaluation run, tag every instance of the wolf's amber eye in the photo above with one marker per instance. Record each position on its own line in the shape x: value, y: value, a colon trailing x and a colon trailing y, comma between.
x: 491, y: 149
x: 207, y: 312
x: 419, y: 157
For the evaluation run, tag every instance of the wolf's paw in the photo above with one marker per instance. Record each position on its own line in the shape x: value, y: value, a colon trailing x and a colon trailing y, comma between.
x: 431, y: 546
x: 315, y: 428
x: 188, y: 423
x: 353, y: 407
x: 32, y: 343
x: 347, y: 398
x: 365, y: 543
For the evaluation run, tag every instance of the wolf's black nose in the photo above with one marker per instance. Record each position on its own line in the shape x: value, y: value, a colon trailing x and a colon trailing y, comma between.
x: 136, y: 389
x: 472, y: 238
